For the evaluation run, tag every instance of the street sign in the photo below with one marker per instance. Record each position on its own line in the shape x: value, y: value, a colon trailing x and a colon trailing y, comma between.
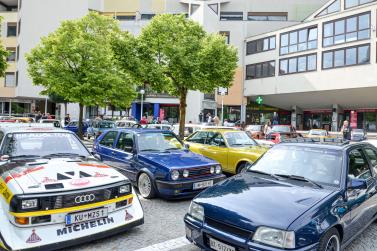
x: 259, y: 100
x: 222, y: 91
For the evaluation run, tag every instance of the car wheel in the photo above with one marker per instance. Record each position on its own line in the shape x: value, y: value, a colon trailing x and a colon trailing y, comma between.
x: 145, y: 186
x: 243, y: 167
x: 330, y: 241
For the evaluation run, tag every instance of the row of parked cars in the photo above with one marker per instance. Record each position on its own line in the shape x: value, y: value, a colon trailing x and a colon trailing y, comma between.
x: 306, y: 195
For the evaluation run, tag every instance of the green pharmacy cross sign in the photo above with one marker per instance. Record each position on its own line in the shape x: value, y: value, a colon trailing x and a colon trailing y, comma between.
x: 259, y: 100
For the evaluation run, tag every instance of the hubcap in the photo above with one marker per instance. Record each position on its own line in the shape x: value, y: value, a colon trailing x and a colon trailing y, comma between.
x: 333, y: 244
x: 144, y: 185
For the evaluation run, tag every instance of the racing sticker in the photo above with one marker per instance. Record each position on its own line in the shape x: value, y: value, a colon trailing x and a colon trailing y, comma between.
x: 99, y: 175
x: 79, y: 182
x: 128, y: 216
x: 93, y: 165
x: 48, y: 180
x: 84, y: 226
x: 34, y: 238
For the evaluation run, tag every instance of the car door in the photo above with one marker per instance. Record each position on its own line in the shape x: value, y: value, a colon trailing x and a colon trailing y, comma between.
x: 72, y: 126
x: 357, y: 199
x: 106, y: 147
x: 217, y: 149
x: 371, y: 154
x: 197, y: 140
x: 124, y: 157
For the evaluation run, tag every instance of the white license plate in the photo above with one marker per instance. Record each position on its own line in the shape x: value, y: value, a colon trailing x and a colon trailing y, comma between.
x: 219, y: 246
x: 86, y: 216
x: 203, y: 184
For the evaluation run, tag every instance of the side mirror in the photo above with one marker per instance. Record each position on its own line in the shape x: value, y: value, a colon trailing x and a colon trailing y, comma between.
x: 354, y: 184
x: 97, y: 156
x: 187, y: 146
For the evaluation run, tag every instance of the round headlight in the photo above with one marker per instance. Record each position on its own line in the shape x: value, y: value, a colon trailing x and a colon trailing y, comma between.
x: 186, y: 173
x: 218, y: 169
x: 174, y: 175
x: 212, y: 169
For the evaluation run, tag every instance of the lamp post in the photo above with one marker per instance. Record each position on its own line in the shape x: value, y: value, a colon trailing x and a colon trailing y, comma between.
x: 142, y: 92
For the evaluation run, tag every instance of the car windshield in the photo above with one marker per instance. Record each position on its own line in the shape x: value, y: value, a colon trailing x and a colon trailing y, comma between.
x: 42, y: 143
x: 317, y: 133
x: 106, y: 125
x: 158, y: 141
x: 239, y: 138
x: 254, y: 128
x: 278, y: 128
x: 318, y: 165
x: 357, y: 131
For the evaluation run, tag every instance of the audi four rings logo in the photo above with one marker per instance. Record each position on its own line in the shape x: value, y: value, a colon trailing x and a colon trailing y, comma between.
x: 84, y: 198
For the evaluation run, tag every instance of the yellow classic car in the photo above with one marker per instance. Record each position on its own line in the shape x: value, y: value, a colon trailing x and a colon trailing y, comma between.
x: 235, y: 150
x: 318, y: 133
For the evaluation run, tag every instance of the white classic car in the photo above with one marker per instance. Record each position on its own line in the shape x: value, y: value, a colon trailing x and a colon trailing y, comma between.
x: 55, y: 194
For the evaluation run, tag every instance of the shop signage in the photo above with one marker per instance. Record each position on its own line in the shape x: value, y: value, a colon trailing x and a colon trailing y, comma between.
x: 353, y: 119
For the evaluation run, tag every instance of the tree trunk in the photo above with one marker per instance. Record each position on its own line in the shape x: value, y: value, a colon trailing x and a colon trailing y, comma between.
x: 65, y: 109
x: 80, y: 132
x: 182, y: 113
x: 112, y: 111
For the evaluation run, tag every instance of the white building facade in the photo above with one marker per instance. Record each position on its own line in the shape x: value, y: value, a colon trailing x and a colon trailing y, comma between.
x: 320, y: 72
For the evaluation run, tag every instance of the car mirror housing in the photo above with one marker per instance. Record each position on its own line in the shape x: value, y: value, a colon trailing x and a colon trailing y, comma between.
x: 357, y: 184
x: 187, y: 146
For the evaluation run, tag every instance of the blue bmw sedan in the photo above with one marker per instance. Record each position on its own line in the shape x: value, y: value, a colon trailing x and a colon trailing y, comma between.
x: 298, y: 196
x: 157, y: 162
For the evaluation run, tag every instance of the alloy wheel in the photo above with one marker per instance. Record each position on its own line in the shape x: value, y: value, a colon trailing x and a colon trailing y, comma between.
x: 144, y: 185
x: 333, y: 244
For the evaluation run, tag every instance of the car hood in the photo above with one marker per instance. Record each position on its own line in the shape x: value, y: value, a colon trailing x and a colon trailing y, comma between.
x: 62, y: 174
x: 248, y: 201
x: 176, y: 159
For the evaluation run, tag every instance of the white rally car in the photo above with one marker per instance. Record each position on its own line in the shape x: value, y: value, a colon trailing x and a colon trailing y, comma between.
x: 54, y: 194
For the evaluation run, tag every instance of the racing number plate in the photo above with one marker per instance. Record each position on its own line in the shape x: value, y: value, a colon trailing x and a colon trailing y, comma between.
x: 219, y: 246
x: 203, y: 184
x: 86, y: 216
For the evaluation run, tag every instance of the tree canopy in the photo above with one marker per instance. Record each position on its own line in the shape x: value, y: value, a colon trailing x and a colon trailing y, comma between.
x: 174, y: 54
x: 77, y: 63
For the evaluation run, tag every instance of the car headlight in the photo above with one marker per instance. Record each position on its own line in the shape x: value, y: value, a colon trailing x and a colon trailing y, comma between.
x: 174, y: 175
x: 124, y: 189
x: 212, y: 169
x: 218, y: 169
x: 196, y: 211
x: 275, y: 237
x: 29, y: 204
x: 186, y: 173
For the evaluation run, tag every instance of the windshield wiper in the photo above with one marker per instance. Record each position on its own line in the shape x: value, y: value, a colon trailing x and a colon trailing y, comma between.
x: 24, y: 156
x: 171, y: 148
x: 300, y: 178
x: 149, y: 150
x: 63, y: 154
x: 264, y: 173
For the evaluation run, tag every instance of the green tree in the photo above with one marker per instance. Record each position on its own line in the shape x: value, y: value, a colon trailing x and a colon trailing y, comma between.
x: 77, y: 63
x: 3, y: 58
x: 175, y: 55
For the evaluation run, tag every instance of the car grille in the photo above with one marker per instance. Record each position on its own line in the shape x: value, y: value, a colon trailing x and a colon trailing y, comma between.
x: 64, y: 201
x: 199, y: 171
x: 226, y: 228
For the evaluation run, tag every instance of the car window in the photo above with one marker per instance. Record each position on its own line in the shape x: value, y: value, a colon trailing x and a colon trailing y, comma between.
x: 108, y: 139
x: 198, y: 137
x: 372, y: 155
x: 217, y: 140
x: 125, y: 142
x: 1, y: 137
x: 358, y: 165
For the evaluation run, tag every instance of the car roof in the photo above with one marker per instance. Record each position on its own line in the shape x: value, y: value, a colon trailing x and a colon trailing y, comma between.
x: 223, y: 130
x: 334, y: 144
x: 29, y: 127
x: 140, y: 130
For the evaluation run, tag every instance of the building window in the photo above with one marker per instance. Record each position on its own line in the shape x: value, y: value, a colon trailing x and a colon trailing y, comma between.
x: 16, y: 78
x: 19, y: 27
x: 10, y: 79
x: 305, y: 63
x: 11, y: 29
x: 354, y: 3
x: 125, y: 18
x: 260, y: 70
x: 333, y: 8
x: 210, y: 96
x: 226, y: 34
x: 350, y: 56
x: 230, y: 15
x: 214, y: 7
x: 194, y: 7
x: 147, y: 16
x: 298, y: 40
x: 12, y: 55
x: 345, y: 30
x: 18, y: 52
x: 267, y: 16
x: 260, y: 45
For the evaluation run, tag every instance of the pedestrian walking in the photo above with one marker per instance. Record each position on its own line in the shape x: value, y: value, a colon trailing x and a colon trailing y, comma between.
x: 346, y: 130
x: 216, y: 120
x: 67, y: 119
x: 267, y: 128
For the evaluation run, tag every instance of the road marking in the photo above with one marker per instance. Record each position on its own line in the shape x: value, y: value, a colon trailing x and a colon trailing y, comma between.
x: 167, y: 245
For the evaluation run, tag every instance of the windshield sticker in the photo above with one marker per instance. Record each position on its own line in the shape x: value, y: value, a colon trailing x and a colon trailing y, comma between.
x: 84, y: 226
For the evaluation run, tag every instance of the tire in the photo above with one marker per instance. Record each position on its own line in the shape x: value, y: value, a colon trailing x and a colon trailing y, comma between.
x: 146, y: 186
x: 330, y: 241
x: 242, y: 168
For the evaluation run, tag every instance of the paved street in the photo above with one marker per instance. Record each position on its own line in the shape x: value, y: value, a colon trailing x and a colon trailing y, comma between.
x: 163, y: 222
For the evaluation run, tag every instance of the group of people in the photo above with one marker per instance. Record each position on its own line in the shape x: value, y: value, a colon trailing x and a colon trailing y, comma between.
x: 40, y: 116
x: 152, y: 120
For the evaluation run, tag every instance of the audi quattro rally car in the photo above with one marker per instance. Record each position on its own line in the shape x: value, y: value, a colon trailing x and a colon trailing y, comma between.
x: 55, y: 194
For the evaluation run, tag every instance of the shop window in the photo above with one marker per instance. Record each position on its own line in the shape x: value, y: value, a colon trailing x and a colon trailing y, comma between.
x: 298, y: 40
x: 345, y: 30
